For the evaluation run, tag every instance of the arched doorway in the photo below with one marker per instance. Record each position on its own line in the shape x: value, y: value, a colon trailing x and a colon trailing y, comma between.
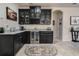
x: 57, y: 27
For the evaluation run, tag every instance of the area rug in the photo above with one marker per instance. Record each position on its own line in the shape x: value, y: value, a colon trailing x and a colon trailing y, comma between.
x: 40, y: 50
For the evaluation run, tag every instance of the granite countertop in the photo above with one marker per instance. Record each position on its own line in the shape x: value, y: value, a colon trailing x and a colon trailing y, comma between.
x: 16, y: 32
x: 11, y: 33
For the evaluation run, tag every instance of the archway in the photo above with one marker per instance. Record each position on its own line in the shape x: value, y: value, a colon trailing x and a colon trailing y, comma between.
x: 57, y: 27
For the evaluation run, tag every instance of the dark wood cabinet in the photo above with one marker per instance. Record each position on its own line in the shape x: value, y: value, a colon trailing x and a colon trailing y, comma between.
x: 6, y: 45
x: 10, y: 44
x: 35, y: 12
x: 24, y: 16
x: 46, y: 37
x: 45, y: 17
x: 26, y: 37
x: 18, y: 38
x: 35, y: 15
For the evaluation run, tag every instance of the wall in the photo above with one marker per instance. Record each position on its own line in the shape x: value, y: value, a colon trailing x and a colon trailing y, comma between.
x: 3, y: 20
x: 67, y: 12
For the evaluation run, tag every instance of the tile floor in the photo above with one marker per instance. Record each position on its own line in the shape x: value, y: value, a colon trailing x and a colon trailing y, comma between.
x: 68, y: 48
x: 63, y: 48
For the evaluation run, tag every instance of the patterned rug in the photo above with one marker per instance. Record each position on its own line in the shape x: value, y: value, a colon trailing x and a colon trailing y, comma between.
x: 40, y: 50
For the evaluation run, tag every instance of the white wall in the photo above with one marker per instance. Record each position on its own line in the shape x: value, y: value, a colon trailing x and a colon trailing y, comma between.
x: 3, y: 20
x: 67, y: 12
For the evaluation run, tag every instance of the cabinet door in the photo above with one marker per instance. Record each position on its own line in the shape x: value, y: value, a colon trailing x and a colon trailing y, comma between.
x: 24, y: 16
x: 46, y: 37
x: 26, y: 37
x: 6, y: 45
x: 45, y: 16
x: 17, y: 43
x: 49, y: 39
x: 35, y: 12
x: 42, y: 39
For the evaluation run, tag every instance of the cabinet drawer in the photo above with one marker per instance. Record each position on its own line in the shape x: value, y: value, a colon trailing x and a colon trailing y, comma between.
x: 46, y: 37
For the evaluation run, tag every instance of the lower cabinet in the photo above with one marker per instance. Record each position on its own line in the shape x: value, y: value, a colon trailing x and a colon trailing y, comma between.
x: 6, y: 45
x: 26, y: 37
x: 10, y: 44
x: 17, y: 42
x: 46, y: 37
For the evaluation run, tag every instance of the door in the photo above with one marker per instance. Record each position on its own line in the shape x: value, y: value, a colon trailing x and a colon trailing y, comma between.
x: 60, y: 28
x: 57, y: 27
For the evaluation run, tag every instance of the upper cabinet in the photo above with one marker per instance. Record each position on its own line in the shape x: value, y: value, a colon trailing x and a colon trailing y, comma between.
x: 24, y: 16
x: 35, y: 15
x: 35, y: 12
x: 45, y: 16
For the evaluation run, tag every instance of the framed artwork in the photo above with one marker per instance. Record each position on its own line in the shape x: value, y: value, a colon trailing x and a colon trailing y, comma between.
x: 11, y: 14
x: 74, y: 20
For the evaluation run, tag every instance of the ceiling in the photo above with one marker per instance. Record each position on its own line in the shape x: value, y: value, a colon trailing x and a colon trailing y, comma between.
x: 49, y: 4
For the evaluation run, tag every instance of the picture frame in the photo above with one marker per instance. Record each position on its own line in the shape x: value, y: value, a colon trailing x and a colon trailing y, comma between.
x: 74, y: 20
x: 11, y: 14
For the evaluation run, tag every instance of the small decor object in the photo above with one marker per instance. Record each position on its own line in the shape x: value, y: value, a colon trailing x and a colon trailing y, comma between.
x: 53, y: 22
x: 74, y: 20
x: 10, y: 14
x: 1, y: 30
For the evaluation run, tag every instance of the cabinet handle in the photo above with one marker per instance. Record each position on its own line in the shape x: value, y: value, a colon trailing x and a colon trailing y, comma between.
x: 53, y: 22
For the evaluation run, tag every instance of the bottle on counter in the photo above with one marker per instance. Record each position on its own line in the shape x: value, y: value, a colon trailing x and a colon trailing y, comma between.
x: 7, y: 29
